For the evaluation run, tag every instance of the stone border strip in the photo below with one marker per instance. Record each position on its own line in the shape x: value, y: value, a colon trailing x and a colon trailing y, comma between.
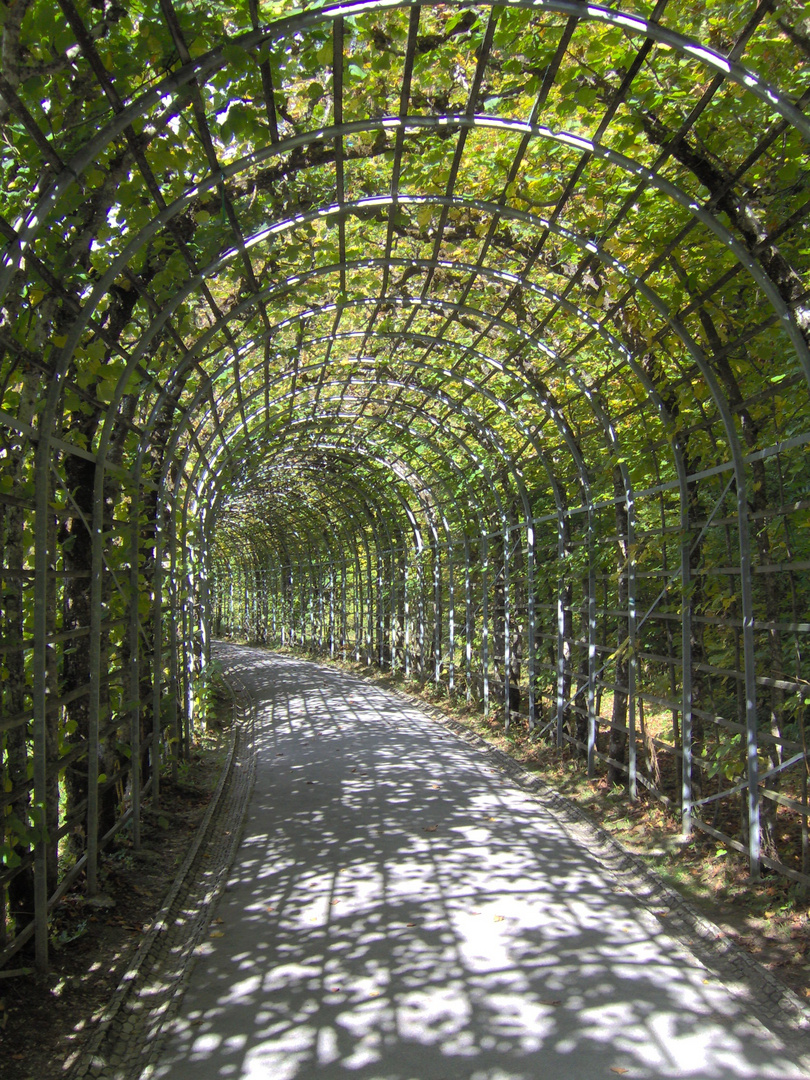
x: 129, y: 1034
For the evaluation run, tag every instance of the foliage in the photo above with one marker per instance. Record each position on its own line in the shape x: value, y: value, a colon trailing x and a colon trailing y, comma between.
x: 316, y: 308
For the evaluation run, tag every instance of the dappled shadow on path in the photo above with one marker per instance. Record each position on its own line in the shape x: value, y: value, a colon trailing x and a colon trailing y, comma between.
x: 400, y: 911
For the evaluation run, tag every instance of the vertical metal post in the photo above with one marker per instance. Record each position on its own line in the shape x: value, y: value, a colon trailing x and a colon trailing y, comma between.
x: 321, y: 619
x: 591, y: 643
x: 749, y: 652
x: 451, y: 618
x: 468, y: 620
x: 134, y: 662
x: 485, y: 621
x: 157, y: 653
x: 359, y: 623
x: 507, y: 625
x: 94, y: 702
x: 40, y: 688
x: 331, y: 607
x: 394, y: 607
x: 531, y: 643
x: 631, y: 634
x: 406, y: 614
x: 437, y: 609
x: 686, y: 653
x: 344, y: 612
x: 173, y: 701
x: 369, y: 627
x: 420, y: 612
x: 561, y: 592
x: 380, y: 609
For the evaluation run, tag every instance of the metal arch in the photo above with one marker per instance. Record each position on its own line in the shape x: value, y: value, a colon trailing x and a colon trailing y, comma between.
x: 726, y: 237
x: 745, y: 561
x: 738, y: 463
x: 540, y: 454
x: 207, y: 65
x: 529, y: 527
x: 108, y: 414
x: 429, y: 516
x: 415, y: 123
x: 420, y: 389
x: 434, y: 447
x: 530, y: 285
x: 610, y: 339
x: 362, y: 499
x: 362, y: 494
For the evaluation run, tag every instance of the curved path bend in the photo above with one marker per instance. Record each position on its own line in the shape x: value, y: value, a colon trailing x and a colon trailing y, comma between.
x: 402, y: 909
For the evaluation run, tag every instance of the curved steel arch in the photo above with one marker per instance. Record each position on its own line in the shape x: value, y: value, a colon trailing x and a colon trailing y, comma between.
x: 172, y: 470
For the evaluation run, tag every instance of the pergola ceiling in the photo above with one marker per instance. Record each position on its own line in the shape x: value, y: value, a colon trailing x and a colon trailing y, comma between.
x: 475, y: 243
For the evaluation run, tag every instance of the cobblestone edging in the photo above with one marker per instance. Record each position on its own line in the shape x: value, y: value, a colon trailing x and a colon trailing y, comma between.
x: 130, y: 1033
x: 767, y: 999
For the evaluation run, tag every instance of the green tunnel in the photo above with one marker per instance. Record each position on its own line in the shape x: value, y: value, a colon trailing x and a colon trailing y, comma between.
x: 470, y: 342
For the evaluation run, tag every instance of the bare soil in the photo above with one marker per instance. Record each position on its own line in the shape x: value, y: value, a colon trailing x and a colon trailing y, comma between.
x: 45, y: 1021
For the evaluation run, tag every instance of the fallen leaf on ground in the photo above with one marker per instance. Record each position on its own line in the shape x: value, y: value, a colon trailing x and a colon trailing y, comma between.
x: 410, y: 924
x: 430, y: 828
x: 270, y: 908
x: 550, y: 1002
x: 617, y: 1069
x: 499, y: 918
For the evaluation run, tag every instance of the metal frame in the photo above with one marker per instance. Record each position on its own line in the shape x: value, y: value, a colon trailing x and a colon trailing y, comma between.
x: 314, y: 442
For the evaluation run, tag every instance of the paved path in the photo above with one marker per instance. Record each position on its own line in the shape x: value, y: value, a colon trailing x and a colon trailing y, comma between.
x: 399, y: 909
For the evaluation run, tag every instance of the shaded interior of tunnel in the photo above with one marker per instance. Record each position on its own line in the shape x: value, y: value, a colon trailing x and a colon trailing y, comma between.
x: 468, y: 341
x: 397, y: 909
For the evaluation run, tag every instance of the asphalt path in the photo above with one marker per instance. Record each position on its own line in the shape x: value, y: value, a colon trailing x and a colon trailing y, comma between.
x: 401, y: 910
